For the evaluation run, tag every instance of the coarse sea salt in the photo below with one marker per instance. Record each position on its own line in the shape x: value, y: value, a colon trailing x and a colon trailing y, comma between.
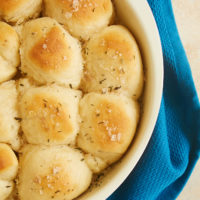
x: 68, y: 15
x: 56, y: 170
x: 113, y: 138
x: 44, y: 46
x: 75, y: 5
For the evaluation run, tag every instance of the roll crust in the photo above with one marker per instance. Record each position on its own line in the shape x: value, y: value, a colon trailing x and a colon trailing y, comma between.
x: 57, y: 171
x: 9, y: 123
x: 81, y: 18
x: 108, y: 125
x: 49, y: 54
x: 18, y: 11
x: 6, y: 188
x: 50, y: 115
x: 113, y: 63
x: 8, y: 163
x: 9, y: 52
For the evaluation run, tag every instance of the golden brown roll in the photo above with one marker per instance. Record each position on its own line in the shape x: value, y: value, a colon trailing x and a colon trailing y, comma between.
x: 9, y: 123
x: 50, y: 115
x: 108, y: 125
x: 56, y: 172
x: 81, y: 18
x: 6, y: 188
x: 9, y: 52
x: 16, y: 11
x: 113, y: 63
x: 49, y: 54
x: 8, y: 163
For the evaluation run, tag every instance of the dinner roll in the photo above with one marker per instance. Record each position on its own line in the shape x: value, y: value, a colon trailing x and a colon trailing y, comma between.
x: 8, y: 163
x: 16, y: 11
x: 108, y: 125
x: 6, y: 188
x: 50, y: 115
x: 113, y: 63
x: 56, y: 172
x: 9, y: 51
x: 9, y: 123
x: 81, y: 17
x: 49, y: 54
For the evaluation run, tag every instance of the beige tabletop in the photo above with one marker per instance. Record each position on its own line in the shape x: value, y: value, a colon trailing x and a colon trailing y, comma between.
x: 187, y: 14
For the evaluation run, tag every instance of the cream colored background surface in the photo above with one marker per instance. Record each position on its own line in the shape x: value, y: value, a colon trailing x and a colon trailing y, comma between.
x: 187, y: 14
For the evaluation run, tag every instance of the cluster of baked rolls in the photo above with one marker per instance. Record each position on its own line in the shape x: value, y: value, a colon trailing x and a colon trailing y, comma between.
x: 71, y: 108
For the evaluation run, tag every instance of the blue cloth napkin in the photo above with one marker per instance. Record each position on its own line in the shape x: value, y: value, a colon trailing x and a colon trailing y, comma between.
x: 174, y: 147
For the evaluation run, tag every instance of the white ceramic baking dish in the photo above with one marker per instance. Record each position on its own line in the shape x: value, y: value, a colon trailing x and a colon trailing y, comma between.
x: 137, y: 16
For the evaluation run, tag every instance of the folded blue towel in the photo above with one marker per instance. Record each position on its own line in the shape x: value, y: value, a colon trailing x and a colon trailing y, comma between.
x: 174, y: 147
